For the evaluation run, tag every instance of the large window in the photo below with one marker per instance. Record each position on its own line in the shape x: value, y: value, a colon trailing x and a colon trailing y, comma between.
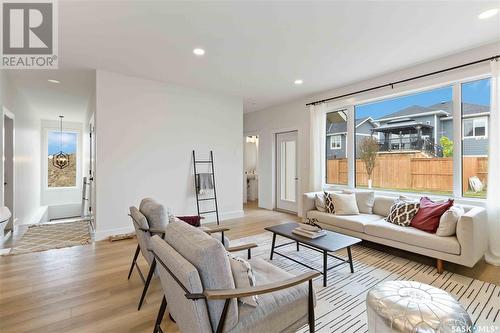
x: 411, y: 143
x: 336, y: 140
x: 475, y: 116
x: 405, y: 144
x: 57, y: 143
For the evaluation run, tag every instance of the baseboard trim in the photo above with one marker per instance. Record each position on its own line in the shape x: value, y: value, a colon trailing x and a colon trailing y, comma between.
x: 104, y: 234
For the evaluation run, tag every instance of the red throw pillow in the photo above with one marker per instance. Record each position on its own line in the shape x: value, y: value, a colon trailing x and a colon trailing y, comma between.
x: 427, y: 217
x: 192, y: 220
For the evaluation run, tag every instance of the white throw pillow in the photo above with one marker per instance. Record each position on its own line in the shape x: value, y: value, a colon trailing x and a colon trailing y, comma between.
x: 243, y: 278
x: 364, y: 199
x: 448, y: 221
x: 319, y: 202
x: 345, y: 204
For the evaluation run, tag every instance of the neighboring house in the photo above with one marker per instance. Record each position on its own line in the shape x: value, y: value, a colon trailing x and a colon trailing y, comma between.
x: 417, y: 128
x: 336, y: 133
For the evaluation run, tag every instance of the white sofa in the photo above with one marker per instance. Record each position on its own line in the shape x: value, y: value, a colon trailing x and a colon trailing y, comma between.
x: 466, y: 248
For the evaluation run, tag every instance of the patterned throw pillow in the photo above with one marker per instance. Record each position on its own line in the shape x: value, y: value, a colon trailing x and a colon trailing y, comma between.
x: 402, y: 212
x: 329, y: 203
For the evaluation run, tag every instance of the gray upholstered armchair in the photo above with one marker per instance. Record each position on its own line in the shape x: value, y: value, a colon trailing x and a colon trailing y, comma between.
x: 149, y: 220
x: 197, y: 281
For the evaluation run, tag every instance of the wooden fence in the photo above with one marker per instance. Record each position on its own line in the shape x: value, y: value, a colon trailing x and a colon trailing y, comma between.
x: 409, y: 171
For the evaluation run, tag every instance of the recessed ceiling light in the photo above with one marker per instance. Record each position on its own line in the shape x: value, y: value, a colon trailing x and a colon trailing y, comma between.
x: 54, y: 81
x: 199, y: 52
x: 488, y: 13
x: 298, y: 81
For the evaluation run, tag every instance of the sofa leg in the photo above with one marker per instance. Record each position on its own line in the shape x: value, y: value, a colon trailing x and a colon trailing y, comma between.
x: 439, y: 266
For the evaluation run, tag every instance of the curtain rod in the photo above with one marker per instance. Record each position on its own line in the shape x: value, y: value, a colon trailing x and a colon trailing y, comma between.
x: 496, y: 57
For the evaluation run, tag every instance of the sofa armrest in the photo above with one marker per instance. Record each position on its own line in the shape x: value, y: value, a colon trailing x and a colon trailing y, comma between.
x: 472, y: 234
x: 308, y: 203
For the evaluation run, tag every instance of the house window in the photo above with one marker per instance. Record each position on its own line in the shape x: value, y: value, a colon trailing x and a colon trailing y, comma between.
x: 405, y: 144
x: 66, y: 142
x: 336, y: 158
x: 336, y: 142
x: 475, y: 127
x: 475, y: 144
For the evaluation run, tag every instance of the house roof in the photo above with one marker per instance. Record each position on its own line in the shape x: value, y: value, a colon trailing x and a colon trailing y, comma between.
x: 341, y: 127
x: 444, y: 107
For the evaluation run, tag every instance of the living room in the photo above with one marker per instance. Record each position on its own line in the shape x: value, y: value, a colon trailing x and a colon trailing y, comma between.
x: 251, y: 166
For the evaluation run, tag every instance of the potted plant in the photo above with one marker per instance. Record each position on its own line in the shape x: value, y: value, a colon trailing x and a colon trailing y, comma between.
x: 368, y: 151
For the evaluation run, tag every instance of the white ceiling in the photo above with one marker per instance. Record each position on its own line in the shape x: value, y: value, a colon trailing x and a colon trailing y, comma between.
x: 70, y: 98
x: 255, y: 50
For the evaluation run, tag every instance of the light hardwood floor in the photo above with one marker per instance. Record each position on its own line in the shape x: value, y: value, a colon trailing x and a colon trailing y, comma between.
x: 85, y: 288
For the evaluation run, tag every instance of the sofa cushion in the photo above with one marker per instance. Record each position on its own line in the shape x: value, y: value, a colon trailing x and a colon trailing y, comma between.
x: 351, y: 222
x: 345, y: 204
x: 402, y: 212
x: 364, y: 199
x: 427, y: 218
x: 154, y: 212
x: 382, y: 205
x: 412, y: 236
x: 276, y: 311
x: 448, y: 221
x: 210, y: 259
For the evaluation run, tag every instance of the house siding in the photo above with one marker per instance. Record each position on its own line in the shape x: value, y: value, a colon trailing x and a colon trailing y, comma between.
x: 475, y: 146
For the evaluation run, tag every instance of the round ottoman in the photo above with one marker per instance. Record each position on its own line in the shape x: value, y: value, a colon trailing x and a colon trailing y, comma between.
x: 409, y: 306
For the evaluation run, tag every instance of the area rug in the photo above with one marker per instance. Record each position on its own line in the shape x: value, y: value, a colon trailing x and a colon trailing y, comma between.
x: 341, y: 305
x: 42, y: 237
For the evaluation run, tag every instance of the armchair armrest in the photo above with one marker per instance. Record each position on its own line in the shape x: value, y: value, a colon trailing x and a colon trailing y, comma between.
x: 241, y: 247
x: 153, y: 231
x: 212, y: 230
x: 258, y: 290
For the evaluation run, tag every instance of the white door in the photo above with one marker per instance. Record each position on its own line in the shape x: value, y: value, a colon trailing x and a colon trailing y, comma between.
x: 8, y: 166
x: 286, y: 171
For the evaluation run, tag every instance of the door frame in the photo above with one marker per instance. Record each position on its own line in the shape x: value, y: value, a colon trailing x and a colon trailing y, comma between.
x: 275, y: 169
x: 11, y: 116
x: 245, y: 194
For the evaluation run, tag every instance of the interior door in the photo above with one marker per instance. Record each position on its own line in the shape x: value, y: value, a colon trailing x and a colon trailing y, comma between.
x: 8, y: 166
x: 286, y: 171
x: 92, y: 160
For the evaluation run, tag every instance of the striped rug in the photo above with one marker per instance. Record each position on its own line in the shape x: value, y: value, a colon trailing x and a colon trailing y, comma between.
x: 341, y: 305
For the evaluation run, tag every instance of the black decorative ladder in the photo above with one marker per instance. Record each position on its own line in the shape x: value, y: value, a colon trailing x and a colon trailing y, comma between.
x: 213, y: 198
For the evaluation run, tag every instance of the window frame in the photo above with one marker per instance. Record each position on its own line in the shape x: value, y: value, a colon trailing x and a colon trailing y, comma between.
x: 45, y: 164
x: 339, y: 142
x: 474, y: 120
x: 455, y: 81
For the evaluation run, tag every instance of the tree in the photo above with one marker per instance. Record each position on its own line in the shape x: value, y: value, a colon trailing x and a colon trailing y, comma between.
x: 368, y: 152
x: 447, y: 145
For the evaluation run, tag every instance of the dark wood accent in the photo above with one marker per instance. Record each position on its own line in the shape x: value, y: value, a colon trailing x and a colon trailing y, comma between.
x: 161, y: 313
x: 220, y: 326
x: 310, y: 308
x: 439, y: 266
x: 258, y: 290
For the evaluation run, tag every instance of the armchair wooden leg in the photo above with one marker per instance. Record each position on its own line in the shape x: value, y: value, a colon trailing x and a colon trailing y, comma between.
x: 133, y: 262
x: 311, y: 308
x: 249, y: 254
x: 440, y: 266
x: 161, y: 312
x: 148, y: 281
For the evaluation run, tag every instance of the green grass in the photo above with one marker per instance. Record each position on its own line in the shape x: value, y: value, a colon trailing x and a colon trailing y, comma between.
x: 468, y: 194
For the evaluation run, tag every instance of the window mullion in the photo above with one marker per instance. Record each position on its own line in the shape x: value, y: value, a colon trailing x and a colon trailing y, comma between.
x: 457, y: 144
x: 350, y: 150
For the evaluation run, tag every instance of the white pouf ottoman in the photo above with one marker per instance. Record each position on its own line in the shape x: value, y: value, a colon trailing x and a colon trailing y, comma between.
x: 409, y: 306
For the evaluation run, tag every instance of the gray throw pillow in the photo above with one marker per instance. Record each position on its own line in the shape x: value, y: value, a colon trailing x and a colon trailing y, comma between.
x: 364, y: 199
x: 345, y: 204
x: 319, y: 202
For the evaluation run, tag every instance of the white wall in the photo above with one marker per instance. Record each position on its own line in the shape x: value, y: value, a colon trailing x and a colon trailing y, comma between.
x: 27, y: 154
x: 146, y: 132
x: 294, y: 115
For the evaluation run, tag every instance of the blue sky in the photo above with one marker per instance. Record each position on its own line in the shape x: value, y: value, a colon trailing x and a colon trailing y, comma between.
x: 68, y: 144
x: 476, y: 92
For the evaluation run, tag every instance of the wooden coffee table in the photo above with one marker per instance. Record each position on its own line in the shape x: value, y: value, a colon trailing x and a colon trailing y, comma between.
x: 330, y: 242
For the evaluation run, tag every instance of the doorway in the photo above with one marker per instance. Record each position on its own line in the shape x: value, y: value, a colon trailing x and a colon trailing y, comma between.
x: 251, y: 174
x: 8, y: 165
x: 286, y: 171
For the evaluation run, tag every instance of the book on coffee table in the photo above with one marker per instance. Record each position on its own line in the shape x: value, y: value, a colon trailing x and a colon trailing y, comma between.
x: 309, y: 232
